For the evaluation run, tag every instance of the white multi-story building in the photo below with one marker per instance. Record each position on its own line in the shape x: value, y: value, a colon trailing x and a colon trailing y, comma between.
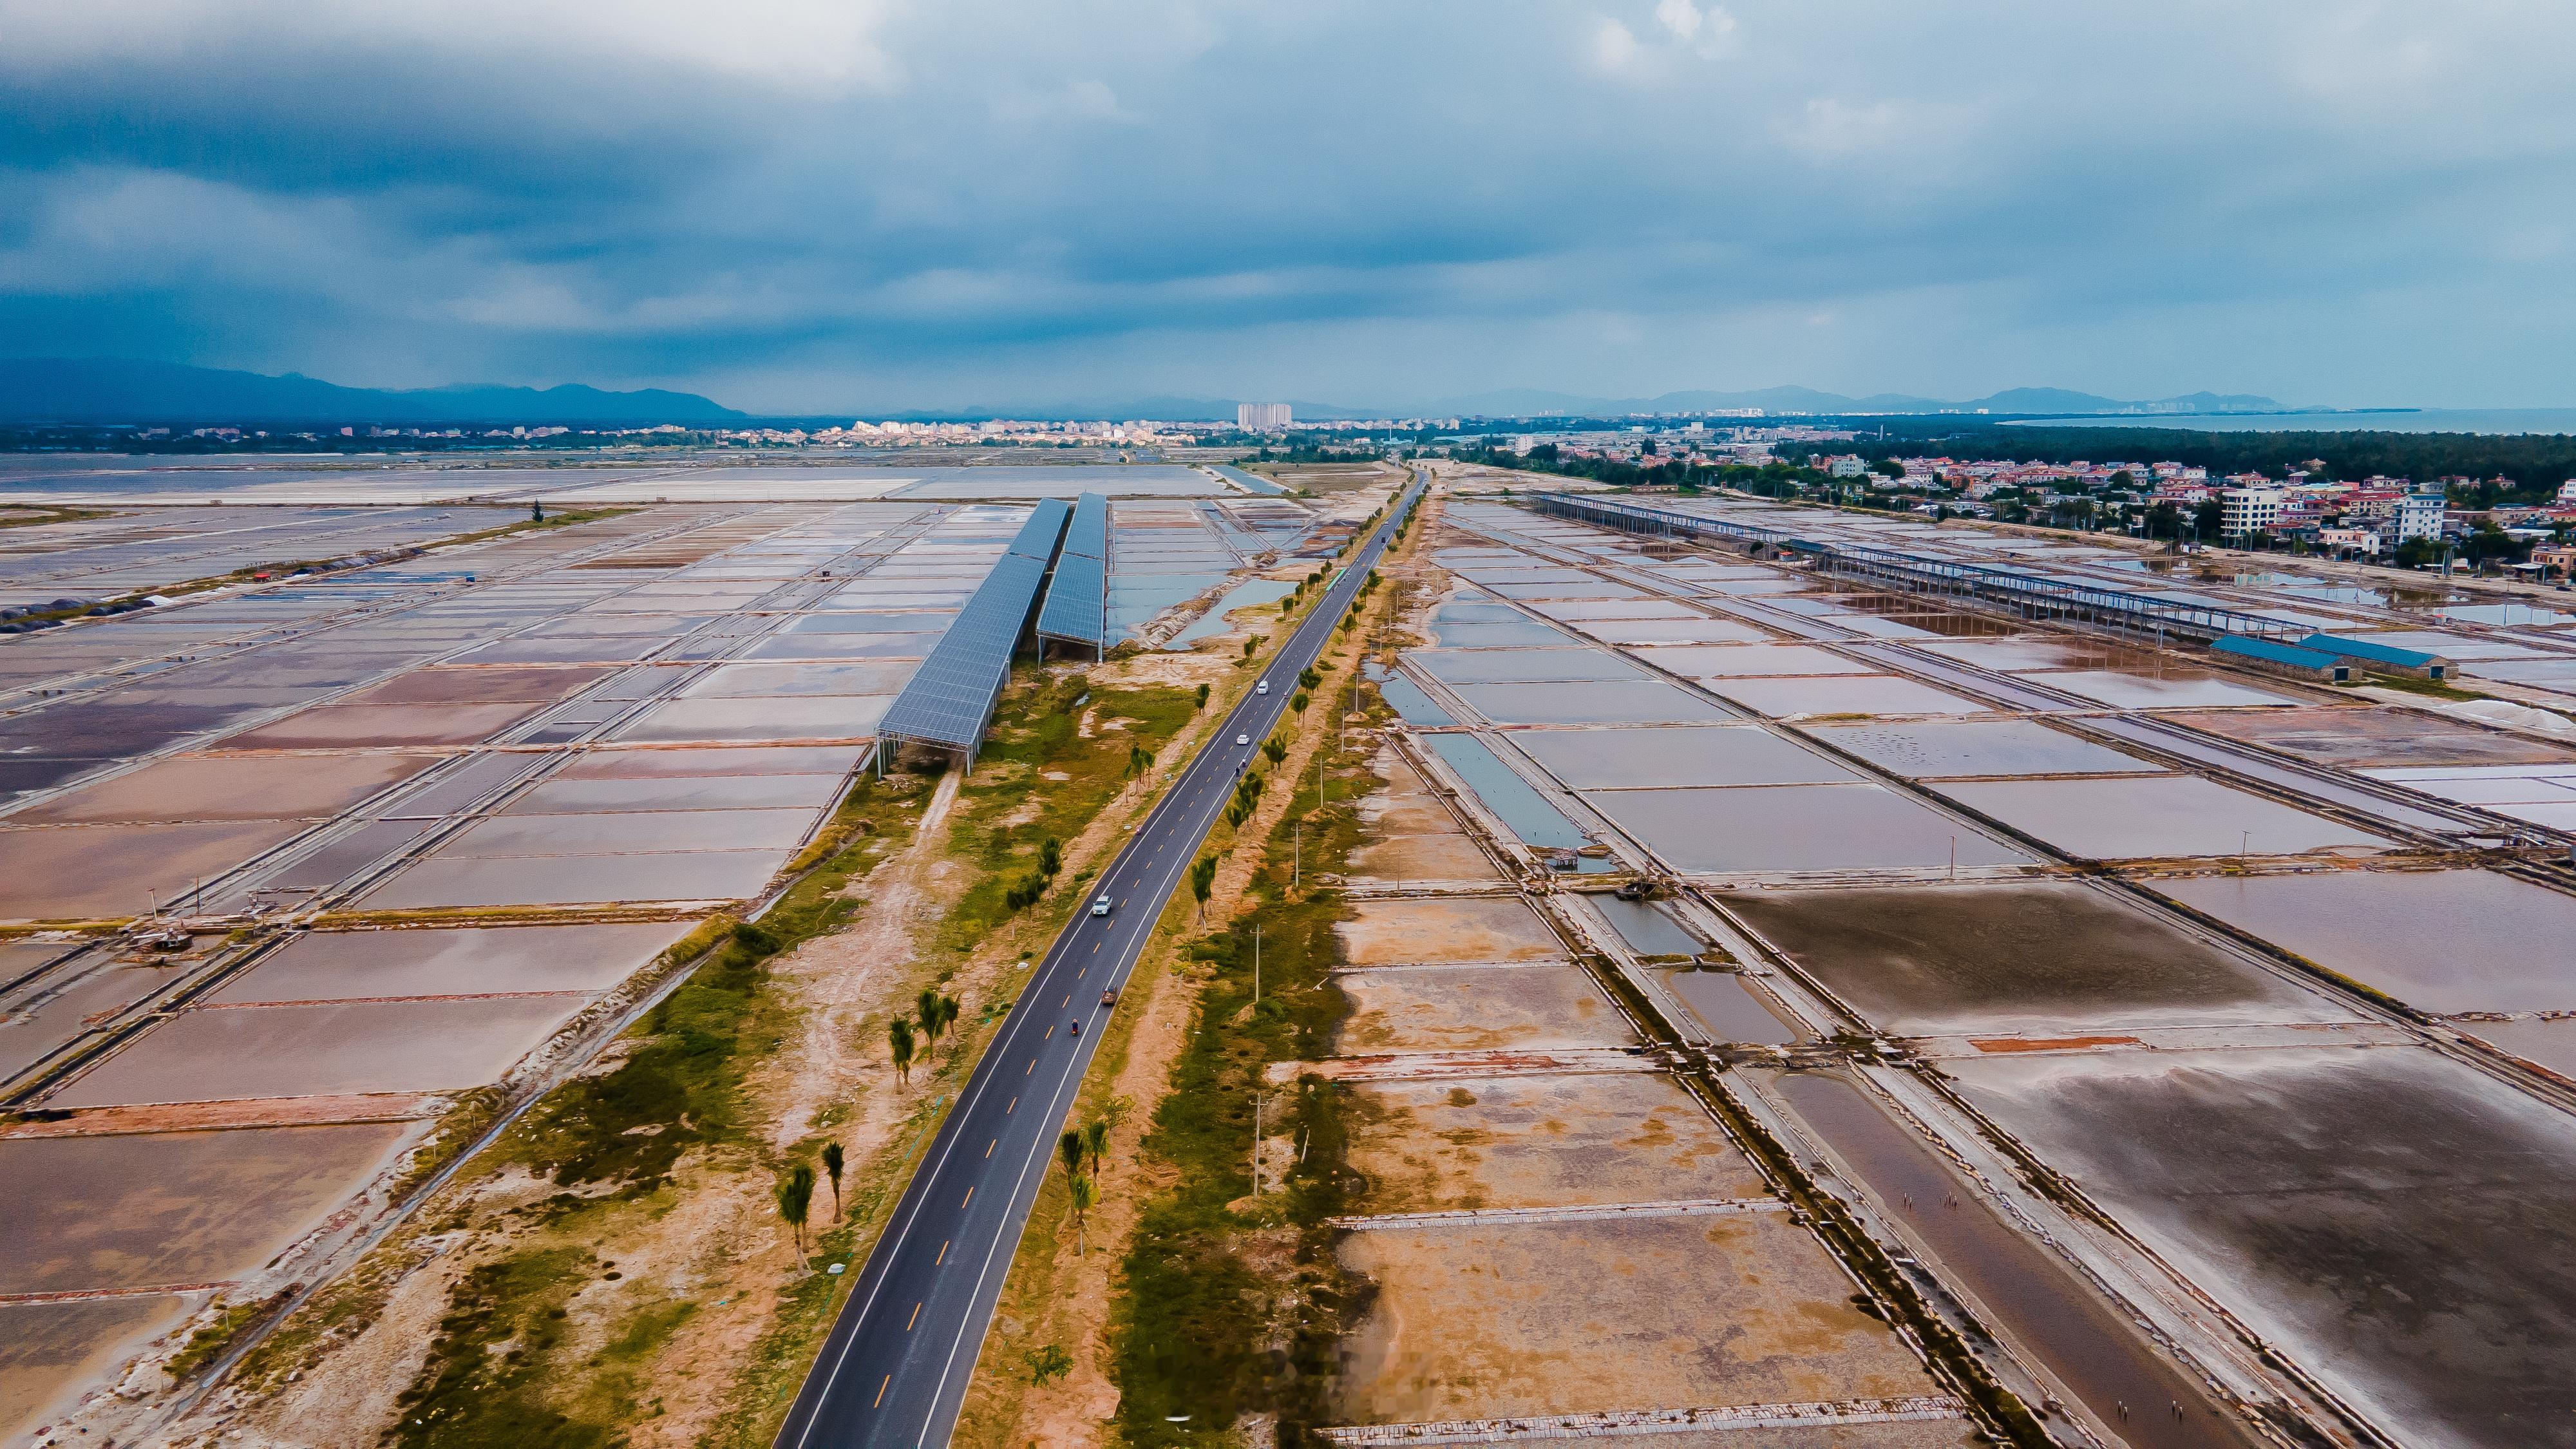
x: 2567, y: 491
x: 2417, y: 515
x: 1261, y: 417
x: 2245, y: 512
x: 1847, y: 465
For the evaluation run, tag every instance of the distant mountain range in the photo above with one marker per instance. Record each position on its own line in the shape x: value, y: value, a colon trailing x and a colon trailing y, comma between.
x: 1530, y: 402
x: 121, y: 390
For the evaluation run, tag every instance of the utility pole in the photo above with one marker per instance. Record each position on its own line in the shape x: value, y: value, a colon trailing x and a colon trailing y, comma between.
x: 1256, y: 1144
x: 1256, y: 963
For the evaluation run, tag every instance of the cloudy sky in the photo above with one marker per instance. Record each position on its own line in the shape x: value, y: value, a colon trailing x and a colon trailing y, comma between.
x: 853, y: 205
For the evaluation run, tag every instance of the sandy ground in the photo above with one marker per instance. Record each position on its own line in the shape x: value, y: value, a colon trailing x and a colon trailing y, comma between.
x: 1410, y: 834
x: 1538, y: 1141
x: 1485, y: 1321
x: 1475, y: 1008
x: 1384, y: 933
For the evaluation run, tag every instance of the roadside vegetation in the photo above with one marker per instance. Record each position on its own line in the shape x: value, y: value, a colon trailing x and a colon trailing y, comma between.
x: 1062, y: 751
x: 1231, y: 1302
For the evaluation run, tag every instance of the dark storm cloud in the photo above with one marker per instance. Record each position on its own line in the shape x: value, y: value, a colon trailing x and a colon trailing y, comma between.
x: 808, y: 205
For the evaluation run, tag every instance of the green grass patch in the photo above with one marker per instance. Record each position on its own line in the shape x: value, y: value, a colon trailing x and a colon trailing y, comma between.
x: 208, y: 1343
x: 1011, y: 806
x: 2430, y: 688
x: 485, y: 1380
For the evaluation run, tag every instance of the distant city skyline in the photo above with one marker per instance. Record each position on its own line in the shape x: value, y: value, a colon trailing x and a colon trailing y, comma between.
x: 799, y: 208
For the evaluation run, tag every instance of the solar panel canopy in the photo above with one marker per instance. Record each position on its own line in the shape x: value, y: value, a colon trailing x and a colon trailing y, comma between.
x: 951, y: 697
x: 1077, y: 600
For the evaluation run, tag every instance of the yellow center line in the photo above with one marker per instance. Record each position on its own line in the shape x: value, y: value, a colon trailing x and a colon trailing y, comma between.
x: 1050, y: 1035
x: 1006, y: 1111
x: 970, y: 1197
x: 1033, y: 1063
x: 881, y: 1388
x: 989, y: 1146
x: 943, y: 1253
x: 915, y: 1318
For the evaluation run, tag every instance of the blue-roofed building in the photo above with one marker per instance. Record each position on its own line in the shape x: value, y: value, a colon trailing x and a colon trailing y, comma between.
x: 2377, y: 658
x: 2283, y: 659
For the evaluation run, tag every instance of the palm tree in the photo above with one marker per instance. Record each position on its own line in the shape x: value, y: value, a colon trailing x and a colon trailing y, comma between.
x: 1070, y: 1149
x: 1203, y: 884
x: 832, y: 1161
x: 1085, y: 1193
x: 1095, y: 1142
x: 899, y: 1034
x: 927, y: 1005
x: 939, y: 1014
x: 795, y: 1195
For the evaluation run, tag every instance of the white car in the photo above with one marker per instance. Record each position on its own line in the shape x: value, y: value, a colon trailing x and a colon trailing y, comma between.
x: 1262, y: 688
x: 1100, y: 907
x: 1243, y: 739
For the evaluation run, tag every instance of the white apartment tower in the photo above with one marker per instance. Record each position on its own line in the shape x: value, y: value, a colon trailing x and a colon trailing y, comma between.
x: 2418, y: 515
x: 1261, y: 417
x: 2244, y: 512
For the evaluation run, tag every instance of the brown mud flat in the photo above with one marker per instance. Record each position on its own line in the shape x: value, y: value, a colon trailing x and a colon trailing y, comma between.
x: 231, y: 787
x: 1395, y: 859
x: 90, y: 1213
x: 2036, y: 957
x: 79, y: 872
x: 1542, y: 1141
x: 1490, y: 1321
x: 2374, y: 736
x: 488, y: 684
x: 1474, y: 1008
x: 1404, y: 805
x: 49, y: 1350
x: 347, y: 965
x: 2394, y: 1222
x: 327, y: 1049
x: 359, y: 726
x: 1385, y: 933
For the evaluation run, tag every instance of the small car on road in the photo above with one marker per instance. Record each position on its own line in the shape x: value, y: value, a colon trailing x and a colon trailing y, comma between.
x: 1100, y: 907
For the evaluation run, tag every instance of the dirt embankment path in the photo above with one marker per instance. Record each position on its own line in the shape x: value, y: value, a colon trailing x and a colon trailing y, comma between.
x: 831, y: 1079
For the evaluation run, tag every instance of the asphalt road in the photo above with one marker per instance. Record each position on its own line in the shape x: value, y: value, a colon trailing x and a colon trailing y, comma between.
x: 895, y: 1368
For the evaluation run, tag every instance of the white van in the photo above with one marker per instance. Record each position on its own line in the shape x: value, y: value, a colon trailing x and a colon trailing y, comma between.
x: 1262, y: 688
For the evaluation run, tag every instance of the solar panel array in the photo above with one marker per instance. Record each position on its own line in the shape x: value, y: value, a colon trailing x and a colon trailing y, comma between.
x: 1077, y: 601
x: 950, y: 700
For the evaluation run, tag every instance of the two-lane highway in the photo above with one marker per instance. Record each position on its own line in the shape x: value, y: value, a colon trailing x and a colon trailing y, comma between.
x: 895, y: 1368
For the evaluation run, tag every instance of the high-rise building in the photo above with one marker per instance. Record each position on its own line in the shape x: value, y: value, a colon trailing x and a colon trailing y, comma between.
x: 2244, y: 512
x: 1260, y: 417
x: 2418, y: 515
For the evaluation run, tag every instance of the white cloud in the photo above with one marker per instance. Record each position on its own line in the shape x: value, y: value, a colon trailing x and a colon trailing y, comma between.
x: 826, y: 45
x: 1615, y: 49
